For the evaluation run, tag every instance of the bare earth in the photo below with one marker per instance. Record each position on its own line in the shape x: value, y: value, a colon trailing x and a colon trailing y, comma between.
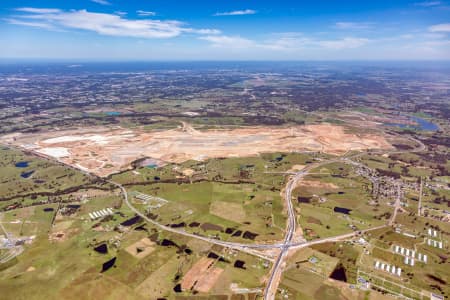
x: 141, y: 248
x: 203, y: 275
x: 104, y: 151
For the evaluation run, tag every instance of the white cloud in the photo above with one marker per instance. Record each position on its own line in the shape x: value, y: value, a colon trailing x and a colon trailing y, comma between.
x: 434, y: 35
x: 288, y: 41
x: 288, y: 34
x: 104, y: 24
x: 406, y: 36
x: 38, y: 10
x: 30, y: 24
x: 285, y: 43
x: 428, y: 3
x: 345, y: 43
x: 236, y: 13
x: 353, y: 25
x: 228, y: 41
x: 144, y: 13
x: 437, y: 43
x: 101, y: 2
x: 445, y: 27
x: 202, y: 31
x: 303, y: 42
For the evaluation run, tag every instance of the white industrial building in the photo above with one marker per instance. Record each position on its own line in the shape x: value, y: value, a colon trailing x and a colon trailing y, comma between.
x: 410, y: 255
x: 388, y: 268
x: 100, y: 213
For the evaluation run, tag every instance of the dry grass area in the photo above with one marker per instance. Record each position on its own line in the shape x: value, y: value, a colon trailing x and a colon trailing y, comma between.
x: 61, y: 232
x: 346, y: 291
x: 58, y: 236
x: 202, y: 276
x: 107, y: 150
x: 25, y: 213
x: 141, y: 248
x: 296, y: 168
x: 96, y: 286
x: 228, y: 210
x: 188, y: 172
x: 157, y: 284
x: 318, y: 184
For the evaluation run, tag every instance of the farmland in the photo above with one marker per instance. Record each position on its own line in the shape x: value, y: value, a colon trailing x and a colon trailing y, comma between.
x: 24, y: 176
x: 235, y: 185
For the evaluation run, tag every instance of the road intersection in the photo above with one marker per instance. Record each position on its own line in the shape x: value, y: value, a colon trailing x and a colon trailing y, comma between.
x: 283, y: 248
x: 258, y: 249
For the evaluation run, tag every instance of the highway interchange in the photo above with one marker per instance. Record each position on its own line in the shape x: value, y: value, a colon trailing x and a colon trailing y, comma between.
x: 283, y: 248
x: 287, y: 245
x: 258, y: 249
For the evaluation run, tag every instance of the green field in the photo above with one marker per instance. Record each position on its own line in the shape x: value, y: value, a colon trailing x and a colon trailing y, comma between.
x: 336, y: 185
x: 259, y: 208
x: 217, y: 188
x: 46, y: 178
x: 232, y: 199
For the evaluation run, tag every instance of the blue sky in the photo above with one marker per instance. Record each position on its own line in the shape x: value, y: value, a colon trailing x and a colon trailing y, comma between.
x: 225, y: 30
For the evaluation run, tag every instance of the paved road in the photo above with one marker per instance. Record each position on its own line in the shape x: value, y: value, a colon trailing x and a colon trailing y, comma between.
x: 275, y: 275
x: 396, y: 205
x: 419, y: 207
x: 3, y: 228
x: 255, y: 249
x: 333, y: 238
x: 277, y: 268
x: 249, y: 248
x: 12, y: 252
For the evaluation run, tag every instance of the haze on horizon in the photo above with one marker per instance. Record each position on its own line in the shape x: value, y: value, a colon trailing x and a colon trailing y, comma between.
x: 225, y: 30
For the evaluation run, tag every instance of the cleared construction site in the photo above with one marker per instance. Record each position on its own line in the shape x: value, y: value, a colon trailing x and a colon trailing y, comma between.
x: 104, y: 151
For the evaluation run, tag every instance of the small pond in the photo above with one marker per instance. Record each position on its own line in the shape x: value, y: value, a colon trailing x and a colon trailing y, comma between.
x: 113, y: 113
x: 22, y: 164
x: 342, y: 210
x: 26, y: 174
